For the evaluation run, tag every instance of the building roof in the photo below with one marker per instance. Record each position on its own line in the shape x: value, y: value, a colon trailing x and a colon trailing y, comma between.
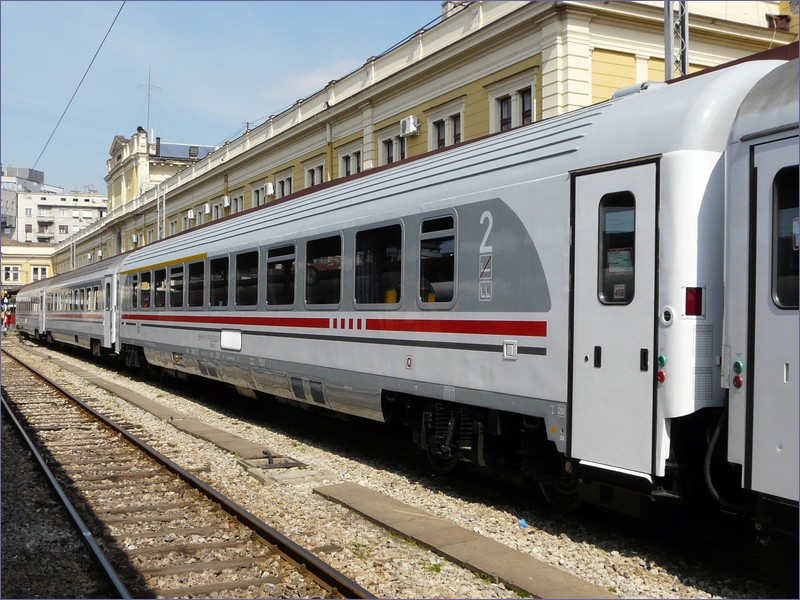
x: 9, y: 241
x: 184, y: 151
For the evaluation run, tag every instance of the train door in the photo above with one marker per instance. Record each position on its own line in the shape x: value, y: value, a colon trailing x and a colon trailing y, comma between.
x: 42, y: 313
x: 612, y: 401
x: 772, y: 387
x: 109, y: 312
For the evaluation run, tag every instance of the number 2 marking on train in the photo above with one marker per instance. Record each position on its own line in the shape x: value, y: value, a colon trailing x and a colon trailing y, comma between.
x: 486, y: 216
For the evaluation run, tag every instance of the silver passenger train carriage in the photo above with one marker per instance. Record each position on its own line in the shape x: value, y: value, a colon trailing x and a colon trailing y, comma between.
x: 551, y: 298
x: 77, y: 308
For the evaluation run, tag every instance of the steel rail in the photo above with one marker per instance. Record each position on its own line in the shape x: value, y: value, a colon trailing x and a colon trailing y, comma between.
x: 309, y: 562
x: 89, y: 542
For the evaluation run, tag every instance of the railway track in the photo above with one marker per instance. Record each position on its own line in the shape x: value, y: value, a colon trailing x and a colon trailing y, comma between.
x: 728, y: 553
x: 158, y: 529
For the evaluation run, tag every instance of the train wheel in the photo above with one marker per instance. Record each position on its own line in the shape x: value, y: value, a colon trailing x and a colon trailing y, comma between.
x: 440, y: 463
x: 562, y: 493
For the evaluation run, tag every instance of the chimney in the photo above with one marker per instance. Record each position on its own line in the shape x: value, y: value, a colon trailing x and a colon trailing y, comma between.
x: 158, y: 146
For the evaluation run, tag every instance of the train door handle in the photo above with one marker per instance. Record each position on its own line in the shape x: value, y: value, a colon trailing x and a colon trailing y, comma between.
x: 644, y: 359
x: 598, y: 357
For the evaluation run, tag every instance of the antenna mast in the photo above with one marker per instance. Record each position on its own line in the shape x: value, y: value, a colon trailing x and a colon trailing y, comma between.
x: 150, y: 87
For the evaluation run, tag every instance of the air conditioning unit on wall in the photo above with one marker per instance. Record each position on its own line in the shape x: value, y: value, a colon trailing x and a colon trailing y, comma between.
x: 226, y: 201
x: 409, y: 126
x: 190, y: 214
x: 207, y: 208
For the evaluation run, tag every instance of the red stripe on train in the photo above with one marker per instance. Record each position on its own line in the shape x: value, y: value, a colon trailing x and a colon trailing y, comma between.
x: 461, y: 326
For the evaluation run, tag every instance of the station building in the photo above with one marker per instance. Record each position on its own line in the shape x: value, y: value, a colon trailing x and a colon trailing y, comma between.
x: 484, y: 67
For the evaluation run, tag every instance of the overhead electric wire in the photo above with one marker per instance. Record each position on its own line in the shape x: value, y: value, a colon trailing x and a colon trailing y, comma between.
x: 79, y: 85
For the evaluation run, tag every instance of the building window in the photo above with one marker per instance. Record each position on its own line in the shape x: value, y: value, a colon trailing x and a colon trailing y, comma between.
x: 10, y: 273
x: 349, y: 159
x: 283, y: 182
x: 505, y: 113
x: 314, y: 175
x: 28, y: 228
x: 173, y: 227
x: 63, y: 229
x: 388, y: 151
x: 39, y: 273
x: 393, y: 149
x: 526, y: 101
x: 445, y: 120
x: 440, y: 134
x: 28, y: 212
x: 512, y: 101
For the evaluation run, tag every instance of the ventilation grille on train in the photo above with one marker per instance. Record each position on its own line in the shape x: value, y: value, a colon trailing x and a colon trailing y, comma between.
x: 297, y: 388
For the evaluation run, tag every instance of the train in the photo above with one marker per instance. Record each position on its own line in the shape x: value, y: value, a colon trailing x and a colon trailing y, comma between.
x: 605, y: 301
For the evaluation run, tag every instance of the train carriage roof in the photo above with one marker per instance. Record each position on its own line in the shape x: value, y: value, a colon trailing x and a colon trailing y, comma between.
x: 770, y: 104
x: 76, y: 278
x: 691, y: 114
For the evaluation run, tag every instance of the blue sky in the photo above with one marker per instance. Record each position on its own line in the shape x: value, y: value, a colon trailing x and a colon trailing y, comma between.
x: 213, y: 66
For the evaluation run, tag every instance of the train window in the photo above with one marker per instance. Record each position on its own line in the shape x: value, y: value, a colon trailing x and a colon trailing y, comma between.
x: 145, y: 290
x: 437, y: 252
x: 196, y: 280
x: 176, y: 287
x: 280, y: 276
x: 81, y: 299
x: 160, y: 285
x: 247, y: 279
x: 378, y: 259
x: 324, y: 270
x: 785, y: 238
x: 97, y: 297
x: 134, y: 291
x: 616, y: 259
x: 218, y: 281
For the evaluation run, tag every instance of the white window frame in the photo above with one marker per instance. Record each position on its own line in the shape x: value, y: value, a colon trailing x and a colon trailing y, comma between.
x: 511, y: 87
x: 281, y: 180
x: 237, y: 204
x: 11, y: 274
x: 351, y: 151
x: 445, y: 112
x: 397, y: 142
x: 317, y: 167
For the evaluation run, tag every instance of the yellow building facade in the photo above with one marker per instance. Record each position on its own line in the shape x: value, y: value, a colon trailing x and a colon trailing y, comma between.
x: 486, y: 67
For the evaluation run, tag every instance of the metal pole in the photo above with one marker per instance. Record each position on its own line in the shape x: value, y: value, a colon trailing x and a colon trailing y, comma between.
x: 676, y: 59
x: 669, y: 48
